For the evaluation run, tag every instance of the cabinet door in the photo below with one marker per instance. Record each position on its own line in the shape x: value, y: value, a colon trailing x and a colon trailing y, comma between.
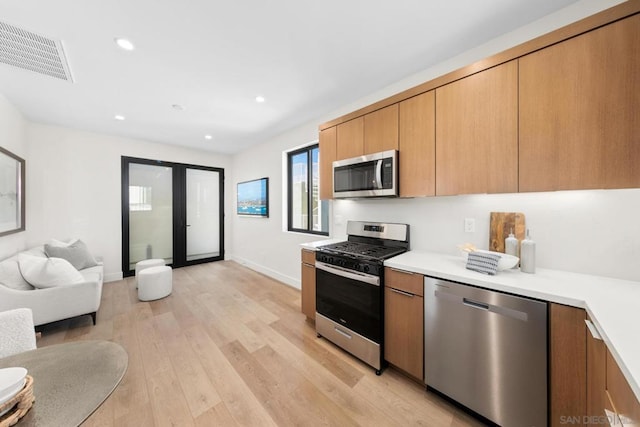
x: 327, y: 144
x: 308, y: 284
x: 477, y: 133
x: 625, y: 402
x: 381, y: 130
x: 596, y: 375
x: 567, y: 363
x: 404, y: 331
x: 417, y: 145
x: 350, y: 139
x: 579, y: 120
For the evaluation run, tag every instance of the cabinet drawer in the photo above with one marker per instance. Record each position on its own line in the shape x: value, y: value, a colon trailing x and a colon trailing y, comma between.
x: 404, y: 280
x: 309, y: 257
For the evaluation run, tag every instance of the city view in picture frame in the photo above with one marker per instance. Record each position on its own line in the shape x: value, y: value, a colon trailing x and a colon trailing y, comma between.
x: 253, y: 198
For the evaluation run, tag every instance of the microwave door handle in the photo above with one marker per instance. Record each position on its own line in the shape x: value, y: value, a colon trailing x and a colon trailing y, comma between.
x: 379, y: 173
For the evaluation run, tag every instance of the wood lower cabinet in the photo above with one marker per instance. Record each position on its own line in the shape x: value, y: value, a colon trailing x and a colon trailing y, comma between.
x: 350, y: 139
x: 308, y: 283
x: 578, y: 111
x: 417, y: 146
x: 327, y: 144
x: 477, y: 133
x: 624, y: 402
x: 567, y: 364
x: 404, y: 321
x: 381, y: 130
x: 596, y: 375
x: 609, y: 396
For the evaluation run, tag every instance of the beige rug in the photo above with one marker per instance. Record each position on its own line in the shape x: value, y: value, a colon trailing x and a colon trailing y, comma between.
x: 71, y: 380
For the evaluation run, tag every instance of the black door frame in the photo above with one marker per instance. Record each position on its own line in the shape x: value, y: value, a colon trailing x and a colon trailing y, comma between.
x: 179, y: 210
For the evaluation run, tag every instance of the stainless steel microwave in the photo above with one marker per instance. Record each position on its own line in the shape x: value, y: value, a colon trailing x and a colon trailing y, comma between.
x: 372, y: 175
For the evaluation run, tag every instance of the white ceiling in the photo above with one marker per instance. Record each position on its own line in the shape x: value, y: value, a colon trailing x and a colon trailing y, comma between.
x: 307, y: 58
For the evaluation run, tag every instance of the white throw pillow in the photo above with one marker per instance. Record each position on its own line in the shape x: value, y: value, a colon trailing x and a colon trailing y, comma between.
x: 62, y: 244
x: 48, y: 272
x: 76, y: 253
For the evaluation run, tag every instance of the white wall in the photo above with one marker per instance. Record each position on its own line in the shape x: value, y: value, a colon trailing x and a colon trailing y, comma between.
x: 260, y: 243
x: 590, y: 231
x: 593, y: 232
x: 12, y: 138
x: 73, y: 186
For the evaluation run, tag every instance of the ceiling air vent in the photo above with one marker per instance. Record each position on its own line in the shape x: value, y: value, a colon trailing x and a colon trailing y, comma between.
x: 31, y: 51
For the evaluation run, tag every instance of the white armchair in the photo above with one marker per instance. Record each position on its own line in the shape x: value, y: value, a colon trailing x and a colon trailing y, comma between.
x: 17, y: 333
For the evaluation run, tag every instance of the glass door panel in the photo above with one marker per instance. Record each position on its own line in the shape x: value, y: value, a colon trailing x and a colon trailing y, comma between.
x: 203, y: 214
x: 150, y: 213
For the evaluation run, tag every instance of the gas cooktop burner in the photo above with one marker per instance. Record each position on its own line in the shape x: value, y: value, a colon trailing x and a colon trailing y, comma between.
x: 364, y: 249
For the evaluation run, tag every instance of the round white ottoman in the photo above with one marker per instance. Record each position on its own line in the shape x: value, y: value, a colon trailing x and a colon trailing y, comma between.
x: 147, y: 263
x: 155, y: 283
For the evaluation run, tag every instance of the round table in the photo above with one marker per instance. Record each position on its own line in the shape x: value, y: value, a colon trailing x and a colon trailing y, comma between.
x: 70, y: 380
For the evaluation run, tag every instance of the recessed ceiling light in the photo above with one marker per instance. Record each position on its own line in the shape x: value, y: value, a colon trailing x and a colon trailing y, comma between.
x: 124, y: 44
x: 260, y: 98
x: 208, y: 137
x: 178, y: 107
x: 119, y: 117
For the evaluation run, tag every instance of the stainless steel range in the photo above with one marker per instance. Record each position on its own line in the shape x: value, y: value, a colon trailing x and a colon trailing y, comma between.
x: 349, y: 287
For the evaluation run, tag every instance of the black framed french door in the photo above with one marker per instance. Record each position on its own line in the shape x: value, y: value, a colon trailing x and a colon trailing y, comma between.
x: 172, y: 211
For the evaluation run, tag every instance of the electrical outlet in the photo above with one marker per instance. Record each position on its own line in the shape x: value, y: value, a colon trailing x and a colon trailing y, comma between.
x: 469, y: 225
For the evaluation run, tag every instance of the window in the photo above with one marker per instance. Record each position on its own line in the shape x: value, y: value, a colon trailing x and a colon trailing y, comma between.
x: 307, y: 213
x: 140, y: 198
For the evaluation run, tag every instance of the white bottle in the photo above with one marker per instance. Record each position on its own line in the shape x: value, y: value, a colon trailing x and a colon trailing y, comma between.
x: 512, y: 246
x: 528, y: 255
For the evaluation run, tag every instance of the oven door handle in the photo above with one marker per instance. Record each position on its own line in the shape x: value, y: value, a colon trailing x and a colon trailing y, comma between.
x: 349, y: 274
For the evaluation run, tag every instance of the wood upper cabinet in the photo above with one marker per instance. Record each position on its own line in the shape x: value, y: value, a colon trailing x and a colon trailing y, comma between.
x: 350, y: 139
x: 327, y: 143
x: 404, y: 321
x: 417, y: 145
x: 579, y: 119
x: 381, y: 130
x: 477, y: 133
x: 567, y: 363
x: 308, y: 283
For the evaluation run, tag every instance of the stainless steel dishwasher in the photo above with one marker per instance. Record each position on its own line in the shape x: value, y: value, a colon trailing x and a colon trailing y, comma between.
x: 487, y: 350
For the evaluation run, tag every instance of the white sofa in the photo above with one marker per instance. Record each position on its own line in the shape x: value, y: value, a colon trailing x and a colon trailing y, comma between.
x: 50, y: 304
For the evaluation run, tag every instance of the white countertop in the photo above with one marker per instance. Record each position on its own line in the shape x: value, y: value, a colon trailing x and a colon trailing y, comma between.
x: 612, y: 304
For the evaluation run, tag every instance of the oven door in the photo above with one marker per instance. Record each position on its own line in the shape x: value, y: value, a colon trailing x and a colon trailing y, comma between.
x: 351, y: 299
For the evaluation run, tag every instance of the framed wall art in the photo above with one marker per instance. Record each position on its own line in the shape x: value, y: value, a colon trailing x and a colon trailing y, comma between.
x: 253, y: 198
x: 12, y: 173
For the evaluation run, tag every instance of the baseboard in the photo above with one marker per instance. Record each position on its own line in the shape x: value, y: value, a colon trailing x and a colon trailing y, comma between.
x: 287, y: 280
x: 112, y: 277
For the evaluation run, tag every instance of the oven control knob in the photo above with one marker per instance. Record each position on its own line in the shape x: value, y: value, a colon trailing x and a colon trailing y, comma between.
x: 365, y: 269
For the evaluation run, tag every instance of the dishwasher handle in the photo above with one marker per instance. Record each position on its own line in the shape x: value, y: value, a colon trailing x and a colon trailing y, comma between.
x: 503, y: 311
x: 475, y: 304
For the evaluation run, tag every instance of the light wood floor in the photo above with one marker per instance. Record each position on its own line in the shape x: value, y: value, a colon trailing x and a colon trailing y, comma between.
x: 230, y: 347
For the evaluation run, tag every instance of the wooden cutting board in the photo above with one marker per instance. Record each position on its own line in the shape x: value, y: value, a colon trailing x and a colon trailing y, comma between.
x: 501, y: 224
